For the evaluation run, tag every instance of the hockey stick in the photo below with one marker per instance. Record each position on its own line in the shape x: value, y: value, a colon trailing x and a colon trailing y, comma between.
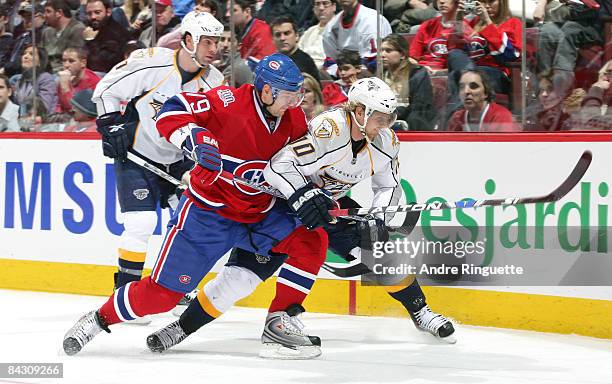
x: 225, y: 175
x: 568, y: 184
x: 563, y: 189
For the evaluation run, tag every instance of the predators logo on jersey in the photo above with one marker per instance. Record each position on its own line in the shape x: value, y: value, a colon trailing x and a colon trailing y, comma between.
x: 156, y: 105
x: 327, y: 129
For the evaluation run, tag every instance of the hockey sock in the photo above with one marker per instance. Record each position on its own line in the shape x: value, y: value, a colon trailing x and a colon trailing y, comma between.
x: 137, y: 299
x: 199, y: 312
x: 307, y: 251
x: 411, y: 297
x: 131, y: 265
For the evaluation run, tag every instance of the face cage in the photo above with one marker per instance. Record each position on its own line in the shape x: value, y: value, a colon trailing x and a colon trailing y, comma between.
x: 287, y: 98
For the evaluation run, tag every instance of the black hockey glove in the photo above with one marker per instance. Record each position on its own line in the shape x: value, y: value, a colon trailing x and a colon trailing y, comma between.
x: 116, y: 136
x: 311, y: 204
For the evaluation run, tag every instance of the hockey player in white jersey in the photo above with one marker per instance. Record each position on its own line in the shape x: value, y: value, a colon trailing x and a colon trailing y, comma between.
x: 145, y: 81
x: 343, y: 147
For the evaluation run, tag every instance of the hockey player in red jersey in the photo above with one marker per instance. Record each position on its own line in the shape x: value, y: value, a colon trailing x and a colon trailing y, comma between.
x: 234, y: 130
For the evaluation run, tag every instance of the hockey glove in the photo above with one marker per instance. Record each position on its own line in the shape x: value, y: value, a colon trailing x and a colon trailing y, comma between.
x: 202, y: 147
x: 311, y: 204
x: 116, y: 136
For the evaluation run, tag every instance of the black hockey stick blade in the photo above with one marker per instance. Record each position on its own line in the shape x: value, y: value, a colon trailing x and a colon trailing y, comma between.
x: 563, y: 189
x: 350, y: 271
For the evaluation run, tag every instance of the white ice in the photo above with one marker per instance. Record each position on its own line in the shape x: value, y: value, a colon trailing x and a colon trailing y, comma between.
x: 355, y: 350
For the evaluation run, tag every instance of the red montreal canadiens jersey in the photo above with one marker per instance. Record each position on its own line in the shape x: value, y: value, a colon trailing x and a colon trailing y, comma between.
x: 246, y: 142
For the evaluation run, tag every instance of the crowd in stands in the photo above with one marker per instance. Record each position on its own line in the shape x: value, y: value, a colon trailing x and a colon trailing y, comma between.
x: 453, y: 64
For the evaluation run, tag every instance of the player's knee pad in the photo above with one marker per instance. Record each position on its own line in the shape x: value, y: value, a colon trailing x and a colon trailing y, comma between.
x: 139, y: 227
x: 231, y: 284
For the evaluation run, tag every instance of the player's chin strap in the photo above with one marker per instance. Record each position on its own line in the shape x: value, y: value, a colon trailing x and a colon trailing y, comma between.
x: 193, y: 55
x: 362, y: 126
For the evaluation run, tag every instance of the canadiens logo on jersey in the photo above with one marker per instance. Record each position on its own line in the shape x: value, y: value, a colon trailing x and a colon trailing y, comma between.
x: 438, y: 47
x: 252, y: 171
x: 477, y: 47
x: 184, y: 279
x: 326, y: 129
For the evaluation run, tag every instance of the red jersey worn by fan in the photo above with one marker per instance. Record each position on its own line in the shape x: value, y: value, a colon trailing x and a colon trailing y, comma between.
x: 246, y: 138
x: 257, y: 40
x: 494, y: 118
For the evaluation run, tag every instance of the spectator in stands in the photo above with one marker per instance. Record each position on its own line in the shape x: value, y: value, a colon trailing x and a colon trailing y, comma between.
x: 13, y: 65
x: 493, y: 38
x: 6, y: 37
x: 9, y: 112
x: 547, y: 114
x: 242, y: 72
x: 311, y: 41
x: 105, y: 39
x: 255, y: 34
x: 558, y: 42
x: 139, y: 15
x: 354, y: 28
x: 411, y: 84
x: 301, y: 11
x: 84, y: 112
x: 172, y: 40
x: 430, y: 46
x: 404, y: 15
x: 285, y: 36
x: 74, y: 77
x: 596, y: 112
x: 480, y: 113
x: 166, y: 22
x: 349, y: 70
x: 34, y: 59
x: 313, y: 98
x: 62, y: 32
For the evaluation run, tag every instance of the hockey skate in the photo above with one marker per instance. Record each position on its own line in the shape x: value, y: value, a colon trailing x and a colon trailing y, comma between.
x: 428, y: 321
x: 83, y: 331
x: 284, y: 337
x: 184, y: 303
x: 166, y: 338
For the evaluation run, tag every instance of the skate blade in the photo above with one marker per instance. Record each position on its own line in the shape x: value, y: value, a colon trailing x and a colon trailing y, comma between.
x: 450, y: 339
x: 280, y: 352
x: 145, y: 320
x: 178, y: 310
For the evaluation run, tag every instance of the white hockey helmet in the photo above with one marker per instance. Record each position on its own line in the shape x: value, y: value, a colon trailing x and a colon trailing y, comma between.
x: 375, y: 95
x: 199, y: 24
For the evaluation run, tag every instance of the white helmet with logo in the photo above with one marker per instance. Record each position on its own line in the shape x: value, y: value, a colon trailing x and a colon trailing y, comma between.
x: 199, y: 24
x: 375, y: 95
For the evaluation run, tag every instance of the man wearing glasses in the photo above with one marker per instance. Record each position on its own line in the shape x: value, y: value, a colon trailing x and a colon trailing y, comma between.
x: 311, y: 41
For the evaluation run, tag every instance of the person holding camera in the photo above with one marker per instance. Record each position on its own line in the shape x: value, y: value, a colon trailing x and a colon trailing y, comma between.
x: 105, y: 39
x: 493, y: 38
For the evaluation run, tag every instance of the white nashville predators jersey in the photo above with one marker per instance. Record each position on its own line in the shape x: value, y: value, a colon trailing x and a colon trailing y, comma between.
x: 325, y: 156
x: 150, y: 77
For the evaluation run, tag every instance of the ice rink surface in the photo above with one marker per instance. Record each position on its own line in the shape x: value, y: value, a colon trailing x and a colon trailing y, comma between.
x: 355, y: 350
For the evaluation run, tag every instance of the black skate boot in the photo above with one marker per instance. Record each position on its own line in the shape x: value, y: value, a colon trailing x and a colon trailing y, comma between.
x: 166, y: 338
x: 428, y: 321
x: 83, y: 331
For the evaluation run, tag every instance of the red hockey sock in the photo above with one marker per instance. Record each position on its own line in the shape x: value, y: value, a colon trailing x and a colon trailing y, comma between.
x: 137, y: 299
x: 306, y: 250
